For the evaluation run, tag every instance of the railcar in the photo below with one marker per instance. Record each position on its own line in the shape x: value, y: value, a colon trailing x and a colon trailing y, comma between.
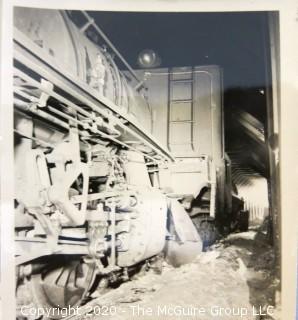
x: 111, y: 172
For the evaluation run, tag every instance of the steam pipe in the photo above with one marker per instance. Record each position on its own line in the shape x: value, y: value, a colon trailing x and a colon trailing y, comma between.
x: 106, y: 39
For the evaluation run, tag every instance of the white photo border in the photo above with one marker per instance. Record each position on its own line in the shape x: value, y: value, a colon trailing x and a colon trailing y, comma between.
x: 288, y: 13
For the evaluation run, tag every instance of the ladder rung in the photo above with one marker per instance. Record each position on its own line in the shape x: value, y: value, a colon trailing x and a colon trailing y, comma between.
x: 186, y: 143
x: 181, y: 80
x: 181, y: 101
x: 182, y: 121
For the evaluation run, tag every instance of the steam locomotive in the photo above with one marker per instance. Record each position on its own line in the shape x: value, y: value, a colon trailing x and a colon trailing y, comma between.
x: 97, y: 195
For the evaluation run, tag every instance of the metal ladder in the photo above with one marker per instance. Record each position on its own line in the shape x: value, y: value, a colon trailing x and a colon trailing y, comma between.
x: 171, y: 102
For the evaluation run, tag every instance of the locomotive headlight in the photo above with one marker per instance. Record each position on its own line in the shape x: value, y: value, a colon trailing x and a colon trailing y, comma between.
x: 148, y: 59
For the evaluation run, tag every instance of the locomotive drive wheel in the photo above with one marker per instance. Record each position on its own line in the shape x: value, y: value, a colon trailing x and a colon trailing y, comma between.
x: 64, y: 286
x: 243, y: 220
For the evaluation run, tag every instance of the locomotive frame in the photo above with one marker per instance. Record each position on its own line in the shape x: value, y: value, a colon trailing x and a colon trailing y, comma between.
x: 83, y: 187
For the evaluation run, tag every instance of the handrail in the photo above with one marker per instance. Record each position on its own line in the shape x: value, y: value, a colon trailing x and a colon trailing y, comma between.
x: 92, y: 23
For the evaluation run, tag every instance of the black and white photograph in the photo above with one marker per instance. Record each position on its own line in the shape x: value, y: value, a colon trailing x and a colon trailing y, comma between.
x: 146, y: 164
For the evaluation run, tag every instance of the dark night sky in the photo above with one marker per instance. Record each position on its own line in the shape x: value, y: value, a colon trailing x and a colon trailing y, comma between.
x: 235, y: 41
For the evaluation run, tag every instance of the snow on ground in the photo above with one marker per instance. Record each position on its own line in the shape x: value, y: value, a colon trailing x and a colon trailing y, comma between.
x: 234, y: 280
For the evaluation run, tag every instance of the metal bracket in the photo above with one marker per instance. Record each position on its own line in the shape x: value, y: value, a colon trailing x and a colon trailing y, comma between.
x: 47, y: 86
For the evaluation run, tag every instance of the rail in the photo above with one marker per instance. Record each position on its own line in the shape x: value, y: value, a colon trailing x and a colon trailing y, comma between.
x: 91, y: 22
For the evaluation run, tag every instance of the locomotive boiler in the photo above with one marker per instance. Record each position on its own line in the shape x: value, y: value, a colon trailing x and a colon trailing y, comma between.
x: 97, y: 195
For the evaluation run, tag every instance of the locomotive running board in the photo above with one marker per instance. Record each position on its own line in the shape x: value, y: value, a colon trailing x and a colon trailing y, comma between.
x: 34, y: 58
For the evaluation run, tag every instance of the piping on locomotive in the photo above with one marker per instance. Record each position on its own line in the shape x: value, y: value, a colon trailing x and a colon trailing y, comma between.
x: 97, y: 196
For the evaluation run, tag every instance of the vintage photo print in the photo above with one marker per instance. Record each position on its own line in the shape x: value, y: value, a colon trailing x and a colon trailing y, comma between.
x: 146, y: 164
